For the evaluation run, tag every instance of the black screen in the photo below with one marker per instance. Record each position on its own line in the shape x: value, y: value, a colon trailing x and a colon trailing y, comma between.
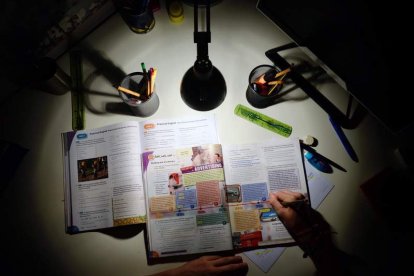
x: 363, y: 42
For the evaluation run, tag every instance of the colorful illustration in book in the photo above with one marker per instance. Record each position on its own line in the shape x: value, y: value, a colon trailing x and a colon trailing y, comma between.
x: 203, y: 155
x: 175, y: 183
x: 93, y: 168
x: 233, y: 193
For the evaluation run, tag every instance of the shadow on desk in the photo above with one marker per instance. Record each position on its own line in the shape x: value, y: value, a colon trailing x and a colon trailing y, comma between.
x: 110, y: 107
x: 106, y: 67
x: 124, y: 232
x: 112, y: 73
x: 311, y: 76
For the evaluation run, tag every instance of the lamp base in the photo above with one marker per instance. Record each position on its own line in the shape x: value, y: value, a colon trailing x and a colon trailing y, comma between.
x: 203, y: 94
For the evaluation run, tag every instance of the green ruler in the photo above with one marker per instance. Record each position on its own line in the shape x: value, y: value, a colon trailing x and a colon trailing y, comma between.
x: 78, y: 110
x: 263, y: 120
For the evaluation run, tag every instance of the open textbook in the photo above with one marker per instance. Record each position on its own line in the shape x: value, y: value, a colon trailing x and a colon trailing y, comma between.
x: 194, y: 194
x: 212, y: 197
x: 103, y: 184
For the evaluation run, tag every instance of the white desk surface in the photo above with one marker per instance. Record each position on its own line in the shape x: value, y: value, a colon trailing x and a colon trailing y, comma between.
x: 32, y: 204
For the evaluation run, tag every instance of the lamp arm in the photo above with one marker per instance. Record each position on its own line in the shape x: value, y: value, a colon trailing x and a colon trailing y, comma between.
x: 202, y: 38
x: 203, y: 87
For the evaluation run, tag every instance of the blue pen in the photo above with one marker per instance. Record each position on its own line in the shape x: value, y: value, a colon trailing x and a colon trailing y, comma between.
x: 341, y: 135
x: 143, y: 5
x: 317, y: 162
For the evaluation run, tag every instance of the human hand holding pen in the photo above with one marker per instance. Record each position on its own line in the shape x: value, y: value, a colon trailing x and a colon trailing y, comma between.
x: 299, y: 218
x: 287, y: 214
x: 309, y: 229
x: 306, y: 225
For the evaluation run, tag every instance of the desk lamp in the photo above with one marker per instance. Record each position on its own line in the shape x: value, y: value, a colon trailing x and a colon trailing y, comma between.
x: 201, y: 2
x: 203, y: 87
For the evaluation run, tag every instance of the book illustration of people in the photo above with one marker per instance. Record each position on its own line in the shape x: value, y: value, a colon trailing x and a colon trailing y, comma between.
x: 93, y: 168
x: 175, y: 183
x: 206, y: 155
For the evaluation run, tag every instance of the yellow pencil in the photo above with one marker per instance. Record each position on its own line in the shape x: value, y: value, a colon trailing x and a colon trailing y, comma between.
x: 127, y: 91
x: 275, y: 82
x: 271, y: 90
x: 153, y: 75
x: 284, y: 72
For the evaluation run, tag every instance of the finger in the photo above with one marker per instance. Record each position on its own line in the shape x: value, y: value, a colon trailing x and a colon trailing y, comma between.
x: 282, y: 212
x: 277, y: 199
x: 296, y: 195
x: 227, y: 260
x: 275, y: 202
x: 287, y: 196
x: 239, y: 267
x: 211, y: 257
x: 285, y: 214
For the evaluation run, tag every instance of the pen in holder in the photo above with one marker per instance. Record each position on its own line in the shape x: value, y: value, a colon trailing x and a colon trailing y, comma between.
x: 137, y: 14
x: 265, y: 83
x: 138, y: 92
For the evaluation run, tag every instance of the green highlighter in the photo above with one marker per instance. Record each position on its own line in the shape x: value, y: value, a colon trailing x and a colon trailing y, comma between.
x: 263, y: 120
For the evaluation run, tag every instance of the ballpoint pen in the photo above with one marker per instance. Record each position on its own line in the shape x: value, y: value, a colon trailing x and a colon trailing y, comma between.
x: 147, y: 78
x: 294, y: 204
x: 316, y: 161
x: 341, y: 135
x: 319, y: 161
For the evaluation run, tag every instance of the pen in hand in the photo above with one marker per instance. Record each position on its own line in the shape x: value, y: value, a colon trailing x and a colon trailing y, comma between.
x: 295, y: 203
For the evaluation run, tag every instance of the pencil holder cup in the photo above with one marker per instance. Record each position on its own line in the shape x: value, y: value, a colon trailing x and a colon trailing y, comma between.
x: 260, y: 93
x: 137, y: 14
x: 139, y: 94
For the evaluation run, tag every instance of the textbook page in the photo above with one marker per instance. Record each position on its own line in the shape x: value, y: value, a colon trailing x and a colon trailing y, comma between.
x: 102, y: 167
x: 185, y: 201
x: 178, y: 132
x: 103, y: 180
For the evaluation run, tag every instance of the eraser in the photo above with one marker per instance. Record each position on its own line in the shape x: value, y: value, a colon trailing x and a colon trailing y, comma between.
x: 308, y: 140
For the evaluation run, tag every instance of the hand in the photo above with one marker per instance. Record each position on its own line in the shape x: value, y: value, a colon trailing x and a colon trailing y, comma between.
x: 310, y: 230
x: 210, y: 266
x: 290, y: 218
x: 306, y: 225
